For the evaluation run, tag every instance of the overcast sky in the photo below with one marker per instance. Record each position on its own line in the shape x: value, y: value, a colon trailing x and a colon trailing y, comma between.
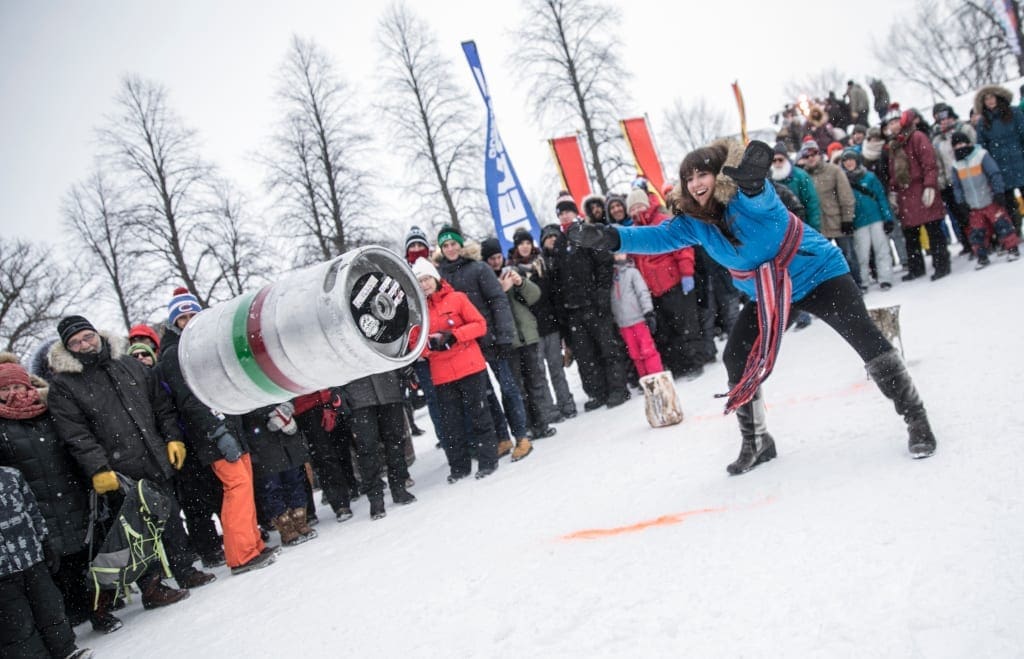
x: 62, y: 62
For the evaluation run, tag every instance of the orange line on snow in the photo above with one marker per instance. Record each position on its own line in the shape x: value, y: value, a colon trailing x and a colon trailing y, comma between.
x: 664, y: 520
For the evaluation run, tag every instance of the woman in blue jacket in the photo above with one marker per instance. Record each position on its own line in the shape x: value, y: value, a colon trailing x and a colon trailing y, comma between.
x: 776, y: 260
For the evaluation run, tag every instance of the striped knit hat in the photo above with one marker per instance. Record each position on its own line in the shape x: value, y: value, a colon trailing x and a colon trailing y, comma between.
x: 183, y: 302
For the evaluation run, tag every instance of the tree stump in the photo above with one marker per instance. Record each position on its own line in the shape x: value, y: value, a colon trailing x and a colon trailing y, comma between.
x: 660, y: 400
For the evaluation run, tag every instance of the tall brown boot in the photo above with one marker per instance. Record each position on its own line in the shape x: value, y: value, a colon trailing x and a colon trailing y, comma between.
x: 103, y: 621
x: 156, y: 594
x: 305, y: 531
x: 286, y: 528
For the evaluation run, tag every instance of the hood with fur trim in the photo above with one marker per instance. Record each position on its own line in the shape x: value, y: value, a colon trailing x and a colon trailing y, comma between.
x: 593, y: 198
x: 725, y: 187
x: 999, y: 92
x: 63, y: 360
x: 41, y: 385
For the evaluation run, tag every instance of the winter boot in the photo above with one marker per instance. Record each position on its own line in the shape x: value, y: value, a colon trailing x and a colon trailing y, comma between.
x: 523, y: 449
x: 343, y: 513
x: 286, y: 528
x: 260, y: 560
x: 1013, y: 253
x: 401, y: 496
x: 593, y: 404
x: 456, y: 476
x: 983, y: 261
x: 757, y: 446
x: 544, y: 432
x: 155, y: 594
x: 891, y: 375
x: 214, y: 559
x: 80, y: 653
x: 504, y: 447
x: 194, y: 578
x: 484, y: 472
x: 103, y: 621
x: 300, y: 524
x: 377, y: 506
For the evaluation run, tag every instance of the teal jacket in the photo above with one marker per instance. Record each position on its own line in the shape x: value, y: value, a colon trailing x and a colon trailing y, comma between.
x: 870, y: 203
x: 801, y: 184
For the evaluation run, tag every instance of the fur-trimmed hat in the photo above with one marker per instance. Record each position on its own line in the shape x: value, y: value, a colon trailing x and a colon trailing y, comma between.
x: 565, y: 202
x: 182, y: 303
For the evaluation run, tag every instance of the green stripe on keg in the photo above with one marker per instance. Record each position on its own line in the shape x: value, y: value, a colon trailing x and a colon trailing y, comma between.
x: 243, y: 352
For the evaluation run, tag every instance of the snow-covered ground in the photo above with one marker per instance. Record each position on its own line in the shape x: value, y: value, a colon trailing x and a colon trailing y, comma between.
x: 842, y: 547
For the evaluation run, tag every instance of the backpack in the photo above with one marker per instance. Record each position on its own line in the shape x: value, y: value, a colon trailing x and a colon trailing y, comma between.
x: 133, y: 543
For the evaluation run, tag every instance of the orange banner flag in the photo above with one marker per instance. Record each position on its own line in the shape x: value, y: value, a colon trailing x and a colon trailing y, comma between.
x: 571, y: 168
x: 641, y: 145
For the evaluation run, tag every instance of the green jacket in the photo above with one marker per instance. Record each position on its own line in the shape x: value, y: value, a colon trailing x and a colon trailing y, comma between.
x: 521, y: 298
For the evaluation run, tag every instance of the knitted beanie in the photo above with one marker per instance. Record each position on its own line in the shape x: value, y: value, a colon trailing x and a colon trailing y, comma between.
x: 72, y: 325
x: 424, y: 268
x: 448, y: 232
x: 182, y: 303
x: 565, y: 202
x: 637, y: 197
x: 489, y: 248
x: 415, y: 236
x: 141, y: 347
x: 522, y: 235
x: 13, y: 373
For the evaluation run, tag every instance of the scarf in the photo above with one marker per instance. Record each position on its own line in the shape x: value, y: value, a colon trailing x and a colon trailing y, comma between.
x: 22, y: 405
x: 856, y: 175
x: 774, y: 295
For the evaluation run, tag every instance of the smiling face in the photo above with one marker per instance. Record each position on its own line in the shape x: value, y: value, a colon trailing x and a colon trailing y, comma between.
x: 701, y: 185
x: 990, y: 101
x: 451, y: 250
x: 428, y: 284
x: 524, y: 249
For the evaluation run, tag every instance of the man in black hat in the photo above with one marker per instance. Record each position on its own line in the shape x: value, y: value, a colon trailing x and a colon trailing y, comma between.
x: 947, y: 123
x: 113, y: 415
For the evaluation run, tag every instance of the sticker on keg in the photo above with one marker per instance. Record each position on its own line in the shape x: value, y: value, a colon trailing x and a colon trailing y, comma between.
x: 380, y: 307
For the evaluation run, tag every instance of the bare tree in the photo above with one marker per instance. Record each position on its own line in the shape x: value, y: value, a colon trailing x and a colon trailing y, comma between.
x: 34, y: 294
x: 95, y: 211
x: 567, y: 52
x: 692, y: 125
x: 157, y: 155
x: 242, y: 259
x: 316, y: 154
x: 949, y: 47
x: 816, y: 85
x: 429, y: 118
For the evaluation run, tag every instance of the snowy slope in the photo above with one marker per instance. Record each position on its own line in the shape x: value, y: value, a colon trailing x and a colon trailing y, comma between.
x: 842, y: 547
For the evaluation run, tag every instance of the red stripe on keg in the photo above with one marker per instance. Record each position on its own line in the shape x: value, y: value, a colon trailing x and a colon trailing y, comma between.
x: 254, y: 333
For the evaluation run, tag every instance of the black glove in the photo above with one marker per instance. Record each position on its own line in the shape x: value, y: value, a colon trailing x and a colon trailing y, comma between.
x: 502, y: 351
x: 594, y: 236
x: 227, y: 444
x: 443, y: 341
x: 408, y: 376
x: 887, y: 226
x: 51, y: 557
x: 753, y: 169
x: 1000, y: 198
x: 652, y: 322
x: 846, y: 228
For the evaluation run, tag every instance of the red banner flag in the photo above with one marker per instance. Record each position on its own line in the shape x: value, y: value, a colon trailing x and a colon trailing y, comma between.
x: 648, y: 165
x: 571, y: 168
x: 742, y: 109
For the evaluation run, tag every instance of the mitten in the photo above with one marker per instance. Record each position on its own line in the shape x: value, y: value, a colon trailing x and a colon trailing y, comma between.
x: 753, y: 168
x: 688, y: 284
x: 641, y: 183
x: 846, y: 228
x: 1000, y: 198
x: 227, y: 444
x: 280, y: 418
x: 594, y: 236
x: 105, y: 481
x: 887, y: 226
x: 176, y: 454
x: 652, y: 322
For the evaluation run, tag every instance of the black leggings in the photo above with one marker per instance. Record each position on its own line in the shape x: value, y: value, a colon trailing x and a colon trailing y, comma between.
x: 837, y: 302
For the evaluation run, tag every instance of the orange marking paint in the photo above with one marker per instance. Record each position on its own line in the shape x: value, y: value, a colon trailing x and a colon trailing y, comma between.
x: 664, y: 520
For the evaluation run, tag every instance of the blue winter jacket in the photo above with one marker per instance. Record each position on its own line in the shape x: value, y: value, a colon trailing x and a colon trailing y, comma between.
x: 759, y: 224
x: 1005, y: 142
x: 870, y: 203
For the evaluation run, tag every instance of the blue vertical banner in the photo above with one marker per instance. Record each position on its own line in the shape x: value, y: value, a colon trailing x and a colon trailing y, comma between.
x: 509, y: 206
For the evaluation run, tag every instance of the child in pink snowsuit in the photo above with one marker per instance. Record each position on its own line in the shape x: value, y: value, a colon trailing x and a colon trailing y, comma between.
x: 634, y: 314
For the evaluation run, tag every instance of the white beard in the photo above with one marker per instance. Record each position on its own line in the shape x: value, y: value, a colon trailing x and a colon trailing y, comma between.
x: 782, y: 172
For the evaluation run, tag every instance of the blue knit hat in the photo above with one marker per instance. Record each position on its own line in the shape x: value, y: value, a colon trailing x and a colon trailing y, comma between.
x: 183, y: 302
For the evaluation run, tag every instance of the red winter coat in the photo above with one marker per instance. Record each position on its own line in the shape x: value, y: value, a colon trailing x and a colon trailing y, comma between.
x: 662, y: 272
x: 924, y: 173
x: 451, y: 310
